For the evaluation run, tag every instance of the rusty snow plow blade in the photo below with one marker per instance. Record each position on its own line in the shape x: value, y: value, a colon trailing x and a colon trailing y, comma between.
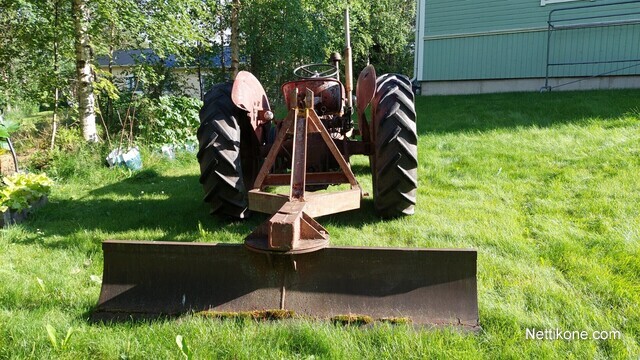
x: 421, y: 286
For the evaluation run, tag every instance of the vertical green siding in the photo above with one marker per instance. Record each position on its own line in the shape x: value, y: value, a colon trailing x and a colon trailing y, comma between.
x: 503, y: 39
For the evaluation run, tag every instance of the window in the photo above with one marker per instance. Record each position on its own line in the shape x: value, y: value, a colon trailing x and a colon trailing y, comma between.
x: 132, y: 83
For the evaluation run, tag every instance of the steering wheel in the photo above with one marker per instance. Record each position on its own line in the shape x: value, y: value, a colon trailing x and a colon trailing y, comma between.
x: 316, y: 71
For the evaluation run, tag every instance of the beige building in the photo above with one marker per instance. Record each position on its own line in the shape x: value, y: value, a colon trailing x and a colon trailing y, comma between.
x: 190, y: 80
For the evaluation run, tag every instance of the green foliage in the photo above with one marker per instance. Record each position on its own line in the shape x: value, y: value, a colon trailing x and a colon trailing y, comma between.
x: 82, y: 163
x: 20, y: 110
x: 28, y: 68
x: 68, y: 139
x: 32, y: 138
x: 117, y: 25
x: 184, y: 349
x: 290, y: 43
x: 20, y: 190
x: 308, y: 31
x: 163, y: 120
x: 104, y: 85
x: 8, y: 127
x: 392, y: 30
x: 37, y: 56
x: 4, y: 133
x: 53, y: 339
x: 174, y: 120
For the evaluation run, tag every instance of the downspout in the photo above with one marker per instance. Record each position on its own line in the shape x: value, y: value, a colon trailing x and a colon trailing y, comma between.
x: 418, y: 56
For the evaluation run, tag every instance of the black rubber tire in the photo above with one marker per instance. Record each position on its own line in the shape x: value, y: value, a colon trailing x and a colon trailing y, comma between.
x: 223, y: 128
x: 394, y: 163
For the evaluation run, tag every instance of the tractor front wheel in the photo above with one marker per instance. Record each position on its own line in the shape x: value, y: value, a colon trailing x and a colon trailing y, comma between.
x: 228, y: 153
x: 394, y: 163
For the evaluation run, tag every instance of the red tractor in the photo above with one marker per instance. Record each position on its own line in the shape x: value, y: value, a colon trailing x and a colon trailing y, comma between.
x: 235, y: 137
x: 287, y: 263
x: 243, y: 149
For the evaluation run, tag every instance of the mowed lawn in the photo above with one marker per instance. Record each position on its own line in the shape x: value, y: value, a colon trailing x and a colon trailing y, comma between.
x: 545, y: 186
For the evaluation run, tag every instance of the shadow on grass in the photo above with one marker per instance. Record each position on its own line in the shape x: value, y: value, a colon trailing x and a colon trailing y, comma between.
x: 361, y: 170
x: 469, y: 113
x: 150, y: 205
x: 170, y: 207
x: 354, y: 218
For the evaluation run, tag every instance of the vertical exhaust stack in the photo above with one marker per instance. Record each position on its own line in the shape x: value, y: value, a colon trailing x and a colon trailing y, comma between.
x: 348, y: 63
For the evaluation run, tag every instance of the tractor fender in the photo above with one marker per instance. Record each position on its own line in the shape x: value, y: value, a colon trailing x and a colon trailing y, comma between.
x: 365, y: 91
x: 365, y: 88
x: 249, y: 95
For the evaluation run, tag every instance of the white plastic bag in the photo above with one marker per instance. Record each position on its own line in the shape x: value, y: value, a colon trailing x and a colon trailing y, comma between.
x: 131, y: 158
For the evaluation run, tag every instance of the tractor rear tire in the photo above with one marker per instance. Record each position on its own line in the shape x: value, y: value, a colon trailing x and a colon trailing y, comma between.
x: 223, y: 128
x: 394, y: 163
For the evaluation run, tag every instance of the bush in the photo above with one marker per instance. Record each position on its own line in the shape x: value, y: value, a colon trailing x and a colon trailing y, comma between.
x: 156, y: 121
x: 69, y: 139
x: 172, y: 120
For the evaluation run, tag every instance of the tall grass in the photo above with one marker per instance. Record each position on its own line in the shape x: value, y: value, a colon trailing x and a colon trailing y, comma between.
x: 544, y: 186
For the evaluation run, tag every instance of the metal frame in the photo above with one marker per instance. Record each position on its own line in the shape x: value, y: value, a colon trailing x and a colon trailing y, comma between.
x: 11, y: 148
x: 291, y: 229
x: 572, y: 23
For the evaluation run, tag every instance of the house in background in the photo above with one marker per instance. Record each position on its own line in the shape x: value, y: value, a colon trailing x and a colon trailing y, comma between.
x: 483, y: 46
x: 191, y: 78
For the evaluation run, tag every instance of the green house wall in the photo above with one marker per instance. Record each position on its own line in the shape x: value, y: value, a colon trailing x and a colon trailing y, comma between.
x: 507, y: 39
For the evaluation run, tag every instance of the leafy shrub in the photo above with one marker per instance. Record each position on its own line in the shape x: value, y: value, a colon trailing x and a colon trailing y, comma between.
x: 69, y: 139
x: 19, y: 190
x: 39, y: 160
x: 172, y: 120
x: 155, y: 121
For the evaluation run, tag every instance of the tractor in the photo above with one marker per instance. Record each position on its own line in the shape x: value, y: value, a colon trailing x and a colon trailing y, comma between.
x: 244, y: 150
x: 238, y: 132
x: 246, y: 157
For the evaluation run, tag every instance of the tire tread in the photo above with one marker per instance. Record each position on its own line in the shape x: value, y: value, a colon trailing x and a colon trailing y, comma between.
x: 219, y: 137
x: 395, y: 160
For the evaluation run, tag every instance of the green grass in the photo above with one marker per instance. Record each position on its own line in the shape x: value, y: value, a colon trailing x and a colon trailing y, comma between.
x: 545, y: 186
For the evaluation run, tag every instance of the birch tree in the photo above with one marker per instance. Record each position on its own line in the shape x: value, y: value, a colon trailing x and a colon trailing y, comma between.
x: 84, y: 73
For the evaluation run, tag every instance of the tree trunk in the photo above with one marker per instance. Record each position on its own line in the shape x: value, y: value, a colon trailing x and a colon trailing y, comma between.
x: 56, y: 98
x: 109, y: 100
x: 223, y: 27
x: 84, y: 75
x: 5, y: 107
x: 235, y: 47
x: 200, y: 87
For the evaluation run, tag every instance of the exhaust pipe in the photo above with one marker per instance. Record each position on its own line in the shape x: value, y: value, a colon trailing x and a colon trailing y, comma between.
x: 348, y: 61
